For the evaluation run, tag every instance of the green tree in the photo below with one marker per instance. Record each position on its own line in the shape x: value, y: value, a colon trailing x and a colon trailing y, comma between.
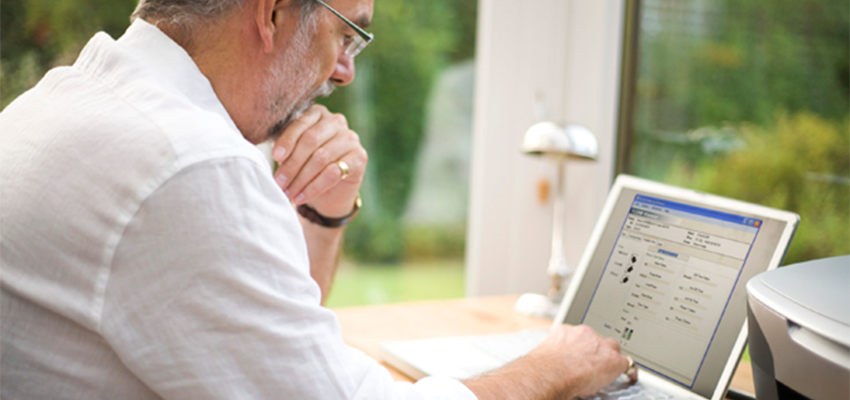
x: 750, y: 99
x: 799, y: 163
x: 41, y: 34
x: 710, y: 64
x: 414, y: 41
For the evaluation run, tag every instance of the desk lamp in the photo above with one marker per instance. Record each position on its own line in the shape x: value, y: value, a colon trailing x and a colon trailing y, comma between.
x: 557, y: 143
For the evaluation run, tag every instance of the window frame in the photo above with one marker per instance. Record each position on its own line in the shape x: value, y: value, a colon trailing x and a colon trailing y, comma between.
x: 560, y: 61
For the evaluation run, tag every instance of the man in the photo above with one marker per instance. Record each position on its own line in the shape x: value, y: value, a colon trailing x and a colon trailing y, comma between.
x: 148, y: 253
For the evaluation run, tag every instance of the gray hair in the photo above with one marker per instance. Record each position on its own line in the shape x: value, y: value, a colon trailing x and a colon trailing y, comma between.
x: 186, y: 15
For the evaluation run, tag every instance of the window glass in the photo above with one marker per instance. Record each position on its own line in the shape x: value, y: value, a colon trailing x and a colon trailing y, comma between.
x: 746, y: 99
x: 411, y: 104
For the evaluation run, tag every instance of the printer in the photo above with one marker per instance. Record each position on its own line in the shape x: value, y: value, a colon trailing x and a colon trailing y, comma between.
x: 799, y: 330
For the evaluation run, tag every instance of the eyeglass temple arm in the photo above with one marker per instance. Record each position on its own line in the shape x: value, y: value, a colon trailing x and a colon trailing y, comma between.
x: 366, y: 35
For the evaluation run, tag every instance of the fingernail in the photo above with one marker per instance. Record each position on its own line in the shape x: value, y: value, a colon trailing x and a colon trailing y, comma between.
x: 300, y: 199
x: 278, y: 153
x: 281, y: 180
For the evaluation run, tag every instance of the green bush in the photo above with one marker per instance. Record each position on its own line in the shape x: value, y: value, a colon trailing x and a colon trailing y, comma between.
x: 749, y: 99
x: 799, y: 163
x: 435, y: 242
x: 41, y: 34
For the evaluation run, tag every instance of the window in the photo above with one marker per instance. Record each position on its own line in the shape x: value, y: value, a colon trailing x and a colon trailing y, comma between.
x: 746, y: 99
x: 411, y: 104
x: 558, y: 62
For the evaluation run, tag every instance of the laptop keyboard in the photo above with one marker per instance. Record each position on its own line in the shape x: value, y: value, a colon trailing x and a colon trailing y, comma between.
x: 622, y: 389
x: 510, y: 346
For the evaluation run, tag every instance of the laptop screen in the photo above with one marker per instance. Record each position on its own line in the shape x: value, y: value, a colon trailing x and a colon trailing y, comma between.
x: 667, y: 280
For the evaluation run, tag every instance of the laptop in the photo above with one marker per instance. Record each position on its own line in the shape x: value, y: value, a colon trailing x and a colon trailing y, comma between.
x: 664, y: 274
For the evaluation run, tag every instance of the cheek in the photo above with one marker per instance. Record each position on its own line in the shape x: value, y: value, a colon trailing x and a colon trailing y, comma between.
x: 327, y: 66
x: 328, y: 58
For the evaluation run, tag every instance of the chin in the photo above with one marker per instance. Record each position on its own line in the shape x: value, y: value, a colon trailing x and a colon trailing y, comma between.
x: 277, y: 129
x: 298, y: 110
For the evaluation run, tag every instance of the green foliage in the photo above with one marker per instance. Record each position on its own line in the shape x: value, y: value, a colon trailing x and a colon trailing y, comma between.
x: 414, y: 41
x: 800, y: 164
x: 770, y: 55
x: 40, y: 34
x: 788, y: 55
x: 435, y: 242
x: 66, y: 25
x: 750, y: 99
x: 742, y: 62
x: 384, y: 240
x: 391, y: 283
x: 377, y: 239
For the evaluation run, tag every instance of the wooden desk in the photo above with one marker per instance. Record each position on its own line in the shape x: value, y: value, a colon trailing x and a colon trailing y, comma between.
x: 366, y: 327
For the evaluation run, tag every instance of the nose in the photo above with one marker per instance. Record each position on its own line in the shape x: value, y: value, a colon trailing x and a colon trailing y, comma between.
x: 344, y: 70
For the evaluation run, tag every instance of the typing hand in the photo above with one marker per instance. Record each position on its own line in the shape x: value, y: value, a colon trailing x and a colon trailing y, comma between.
x: 573, y: 361
x: 313, y: 153
x: 593, y: 361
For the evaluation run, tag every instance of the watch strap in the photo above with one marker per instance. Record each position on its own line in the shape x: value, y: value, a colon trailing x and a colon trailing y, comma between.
x: 313, y: 216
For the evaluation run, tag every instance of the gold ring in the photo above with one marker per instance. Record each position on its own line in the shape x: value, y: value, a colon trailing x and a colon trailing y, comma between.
x: 632, y: 369
x: 343, y: 169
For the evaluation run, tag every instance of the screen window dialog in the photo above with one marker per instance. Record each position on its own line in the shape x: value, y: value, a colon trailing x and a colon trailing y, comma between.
x: 667, y: 283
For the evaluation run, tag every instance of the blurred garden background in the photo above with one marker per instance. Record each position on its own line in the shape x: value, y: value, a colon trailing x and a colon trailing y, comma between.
x: 741, y: 98
x: 748, y: 99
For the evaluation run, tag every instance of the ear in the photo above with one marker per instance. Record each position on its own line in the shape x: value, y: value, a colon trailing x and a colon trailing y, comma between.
x: 268, y: 19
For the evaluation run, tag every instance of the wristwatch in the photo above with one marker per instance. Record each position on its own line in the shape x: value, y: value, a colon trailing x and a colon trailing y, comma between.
x: 313, y: 216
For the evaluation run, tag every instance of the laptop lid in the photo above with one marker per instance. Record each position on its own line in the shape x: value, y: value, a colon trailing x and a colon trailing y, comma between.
x: 665, y: 273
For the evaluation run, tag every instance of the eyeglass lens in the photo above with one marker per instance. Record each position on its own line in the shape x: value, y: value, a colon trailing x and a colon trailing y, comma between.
x: 356, y: 46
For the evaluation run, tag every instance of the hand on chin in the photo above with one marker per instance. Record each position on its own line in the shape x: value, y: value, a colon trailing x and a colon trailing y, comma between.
x: 313, y: 153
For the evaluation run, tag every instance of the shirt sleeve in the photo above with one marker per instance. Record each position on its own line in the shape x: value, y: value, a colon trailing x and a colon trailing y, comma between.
x: 210, y: 297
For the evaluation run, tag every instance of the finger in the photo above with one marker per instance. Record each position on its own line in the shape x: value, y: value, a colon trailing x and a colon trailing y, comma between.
x: 631, y: 370
x: 324, y: 156
x: 309, y: 142
x: 284, y: 144
x: 329, y: 177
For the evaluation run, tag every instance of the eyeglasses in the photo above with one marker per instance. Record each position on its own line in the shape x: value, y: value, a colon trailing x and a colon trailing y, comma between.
x: 355, y: 44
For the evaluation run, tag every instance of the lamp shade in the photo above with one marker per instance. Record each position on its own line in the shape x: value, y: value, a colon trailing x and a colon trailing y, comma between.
x: 550, y: 139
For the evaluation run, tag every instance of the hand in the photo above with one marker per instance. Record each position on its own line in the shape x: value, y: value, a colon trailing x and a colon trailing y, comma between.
x: 572, y: 361
x: 591, y: 361
x: 307, y: 153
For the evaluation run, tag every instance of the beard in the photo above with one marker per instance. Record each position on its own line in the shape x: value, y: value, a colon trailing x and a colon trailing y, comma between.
x: 287, y: 89
x: 299, y: 108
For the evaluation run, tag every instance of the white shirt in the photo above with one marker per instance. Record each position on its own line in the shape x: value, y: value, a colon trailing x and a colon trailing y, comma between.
x: 147, y: 253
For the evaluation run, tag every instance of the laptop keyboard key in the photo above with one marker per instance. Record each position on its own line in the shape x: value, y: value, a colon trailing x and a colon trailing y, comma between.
x: 621, y: 389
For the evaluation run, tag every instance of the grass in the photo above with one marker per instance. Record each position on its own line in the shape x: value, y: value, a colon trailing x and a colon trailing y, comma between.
x: 364, y: 284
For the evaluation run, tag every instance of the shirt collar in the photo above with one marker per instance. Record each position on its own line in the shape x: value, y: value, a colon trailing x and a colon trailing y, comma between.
x: 168, y: 60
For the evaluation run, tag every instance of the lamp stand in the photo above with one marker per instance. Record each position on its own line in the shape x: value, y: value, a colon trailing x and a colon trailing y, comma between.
x: 547, y: 306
